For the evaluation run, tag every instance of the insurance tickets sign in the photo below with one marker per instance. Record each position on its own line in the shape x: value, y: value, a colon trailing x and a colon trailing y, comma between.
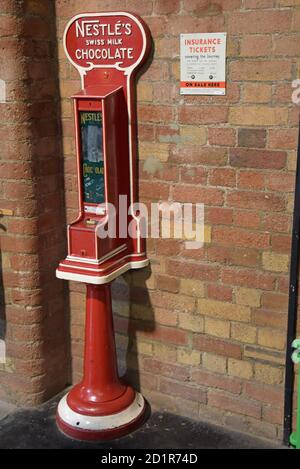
x: 203, y: 63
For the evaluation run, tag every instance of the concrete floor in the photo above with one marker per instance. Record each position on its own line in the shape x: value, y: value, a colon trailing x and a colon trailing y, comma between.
x: 36, y: 428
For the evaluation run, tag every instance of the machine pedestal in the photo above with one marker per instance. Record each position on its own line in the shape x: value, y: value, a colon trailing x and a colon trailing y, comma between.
x: 100, y: 407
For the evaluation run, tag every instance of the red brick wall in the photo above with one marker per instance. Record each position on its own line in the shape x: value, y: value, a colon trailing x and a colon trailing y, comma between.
x: 32, y: 240
x: 203, y: 332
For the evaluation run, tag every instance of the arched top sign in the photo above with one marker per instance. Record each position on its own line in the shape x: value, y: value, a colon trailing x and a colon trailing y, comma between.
x: 118, y: 40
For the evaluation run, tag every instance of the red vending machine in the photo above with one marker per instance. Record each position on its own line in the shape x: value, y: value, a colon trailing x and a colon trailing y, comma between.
x: 107, y: 49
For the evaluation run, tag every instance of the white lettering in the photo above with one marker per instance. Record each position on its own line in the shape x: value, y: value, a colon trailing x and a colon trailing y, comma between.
x: 87, y: 28
x: 90, y: 54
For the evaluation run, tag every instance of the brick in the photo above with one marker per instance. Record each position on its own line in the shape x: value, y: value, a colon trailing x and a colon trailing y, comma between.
x: 283, y: 139
x: 257, y: 93
x: 214, y: 363
x: 257, y: 115
x: 252, y: 4
x: 163, y: 352
x: 275, y: 262
x: 287, y: 45
x: 246, y: 219
x: 192, y: 287
x: 296, y: 20
x: 271, y: 338
x: 166, y: 334
x: 221, y: 136
x: 280, y: 182
x: 211, y: 380
x: 217, y: 328
x: 274, y: 301
x: 240, y: 368
x: 248, y: 278
x: 205, y: 195
x: 156, y: 151
x: 172, y: 301
x: 157, y: 25
x: 262, y: 70
x: 219, y: 292
x: 152, y: 113
x: 221, y: 347
x: 247, y: 296
x: 164, y: 282
x: 258, y: 201
x: 193, y: 270
x: 227, y: 402
x: 146, y: 348
x: 233, y: 256
x: 142, y: 8
x: 154, y: 190
x: 174, y: 405
x: 263, y: 429
x: 264, y: 393
x: 281, y: 243
x: 191, y: 134
x: 167, y: 133
x: 268, y: 374
x: 290, y: 203
x: 165, y: 7
x: 145, y: 132
x: 167, y: 47
x: 202, y: 114
x: 259, y: 353
x: 192, y: 154
x: 167, y: 247
x: 252, y: 138
x: 219, y: 216
x: 172, y: 371
x: 222, y: 310
x: 185, y: 23
x: 192, y: 175
x: 202, y: 8
x: 259, y: 22
x: 264, y: 317
x: 172, y: 388
x: 273, y: 415
x: 166, y: 317
x: 222, y: 177
x: 256, y: 46
x: 165, y: 93
x: 283, y: 285
x: 261, y: 159
x: 188, y: 357
x: 159, y: 71
x: 243, y: 238
x: 276, y: 222
x: 191, y: 322
x: 243, y: 333
x: 145, y: 91
x: 148, y: 381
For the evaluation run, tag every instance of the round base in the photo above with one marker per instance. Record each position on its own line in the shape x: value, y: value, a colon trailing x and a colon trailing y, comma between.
x: 105, y: 427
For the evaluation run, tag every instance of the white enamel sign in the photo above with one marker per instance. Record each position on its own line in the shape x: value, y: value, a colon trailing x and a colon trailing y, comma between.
x: 203, y: 63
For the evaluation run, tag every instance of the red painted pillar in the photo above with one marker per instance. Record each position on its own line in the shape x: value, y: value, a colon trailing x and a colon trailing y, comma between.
x: 100, y: 406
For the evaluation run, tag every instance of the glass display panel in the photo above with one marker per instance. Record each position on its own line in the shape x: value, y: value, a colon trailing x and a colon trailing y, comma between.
x: 92, y: 157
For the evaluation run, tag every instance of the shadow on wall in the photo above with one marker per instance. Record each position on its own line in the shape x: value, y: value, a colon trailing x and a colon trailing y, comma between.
x: 2, y: 307
x: 133, y: 318
x: 49, y: 195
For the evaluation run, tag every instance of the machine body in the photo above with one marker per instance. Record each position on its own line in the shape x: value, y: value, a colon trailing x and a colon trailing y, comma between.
x: 107, y: 49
